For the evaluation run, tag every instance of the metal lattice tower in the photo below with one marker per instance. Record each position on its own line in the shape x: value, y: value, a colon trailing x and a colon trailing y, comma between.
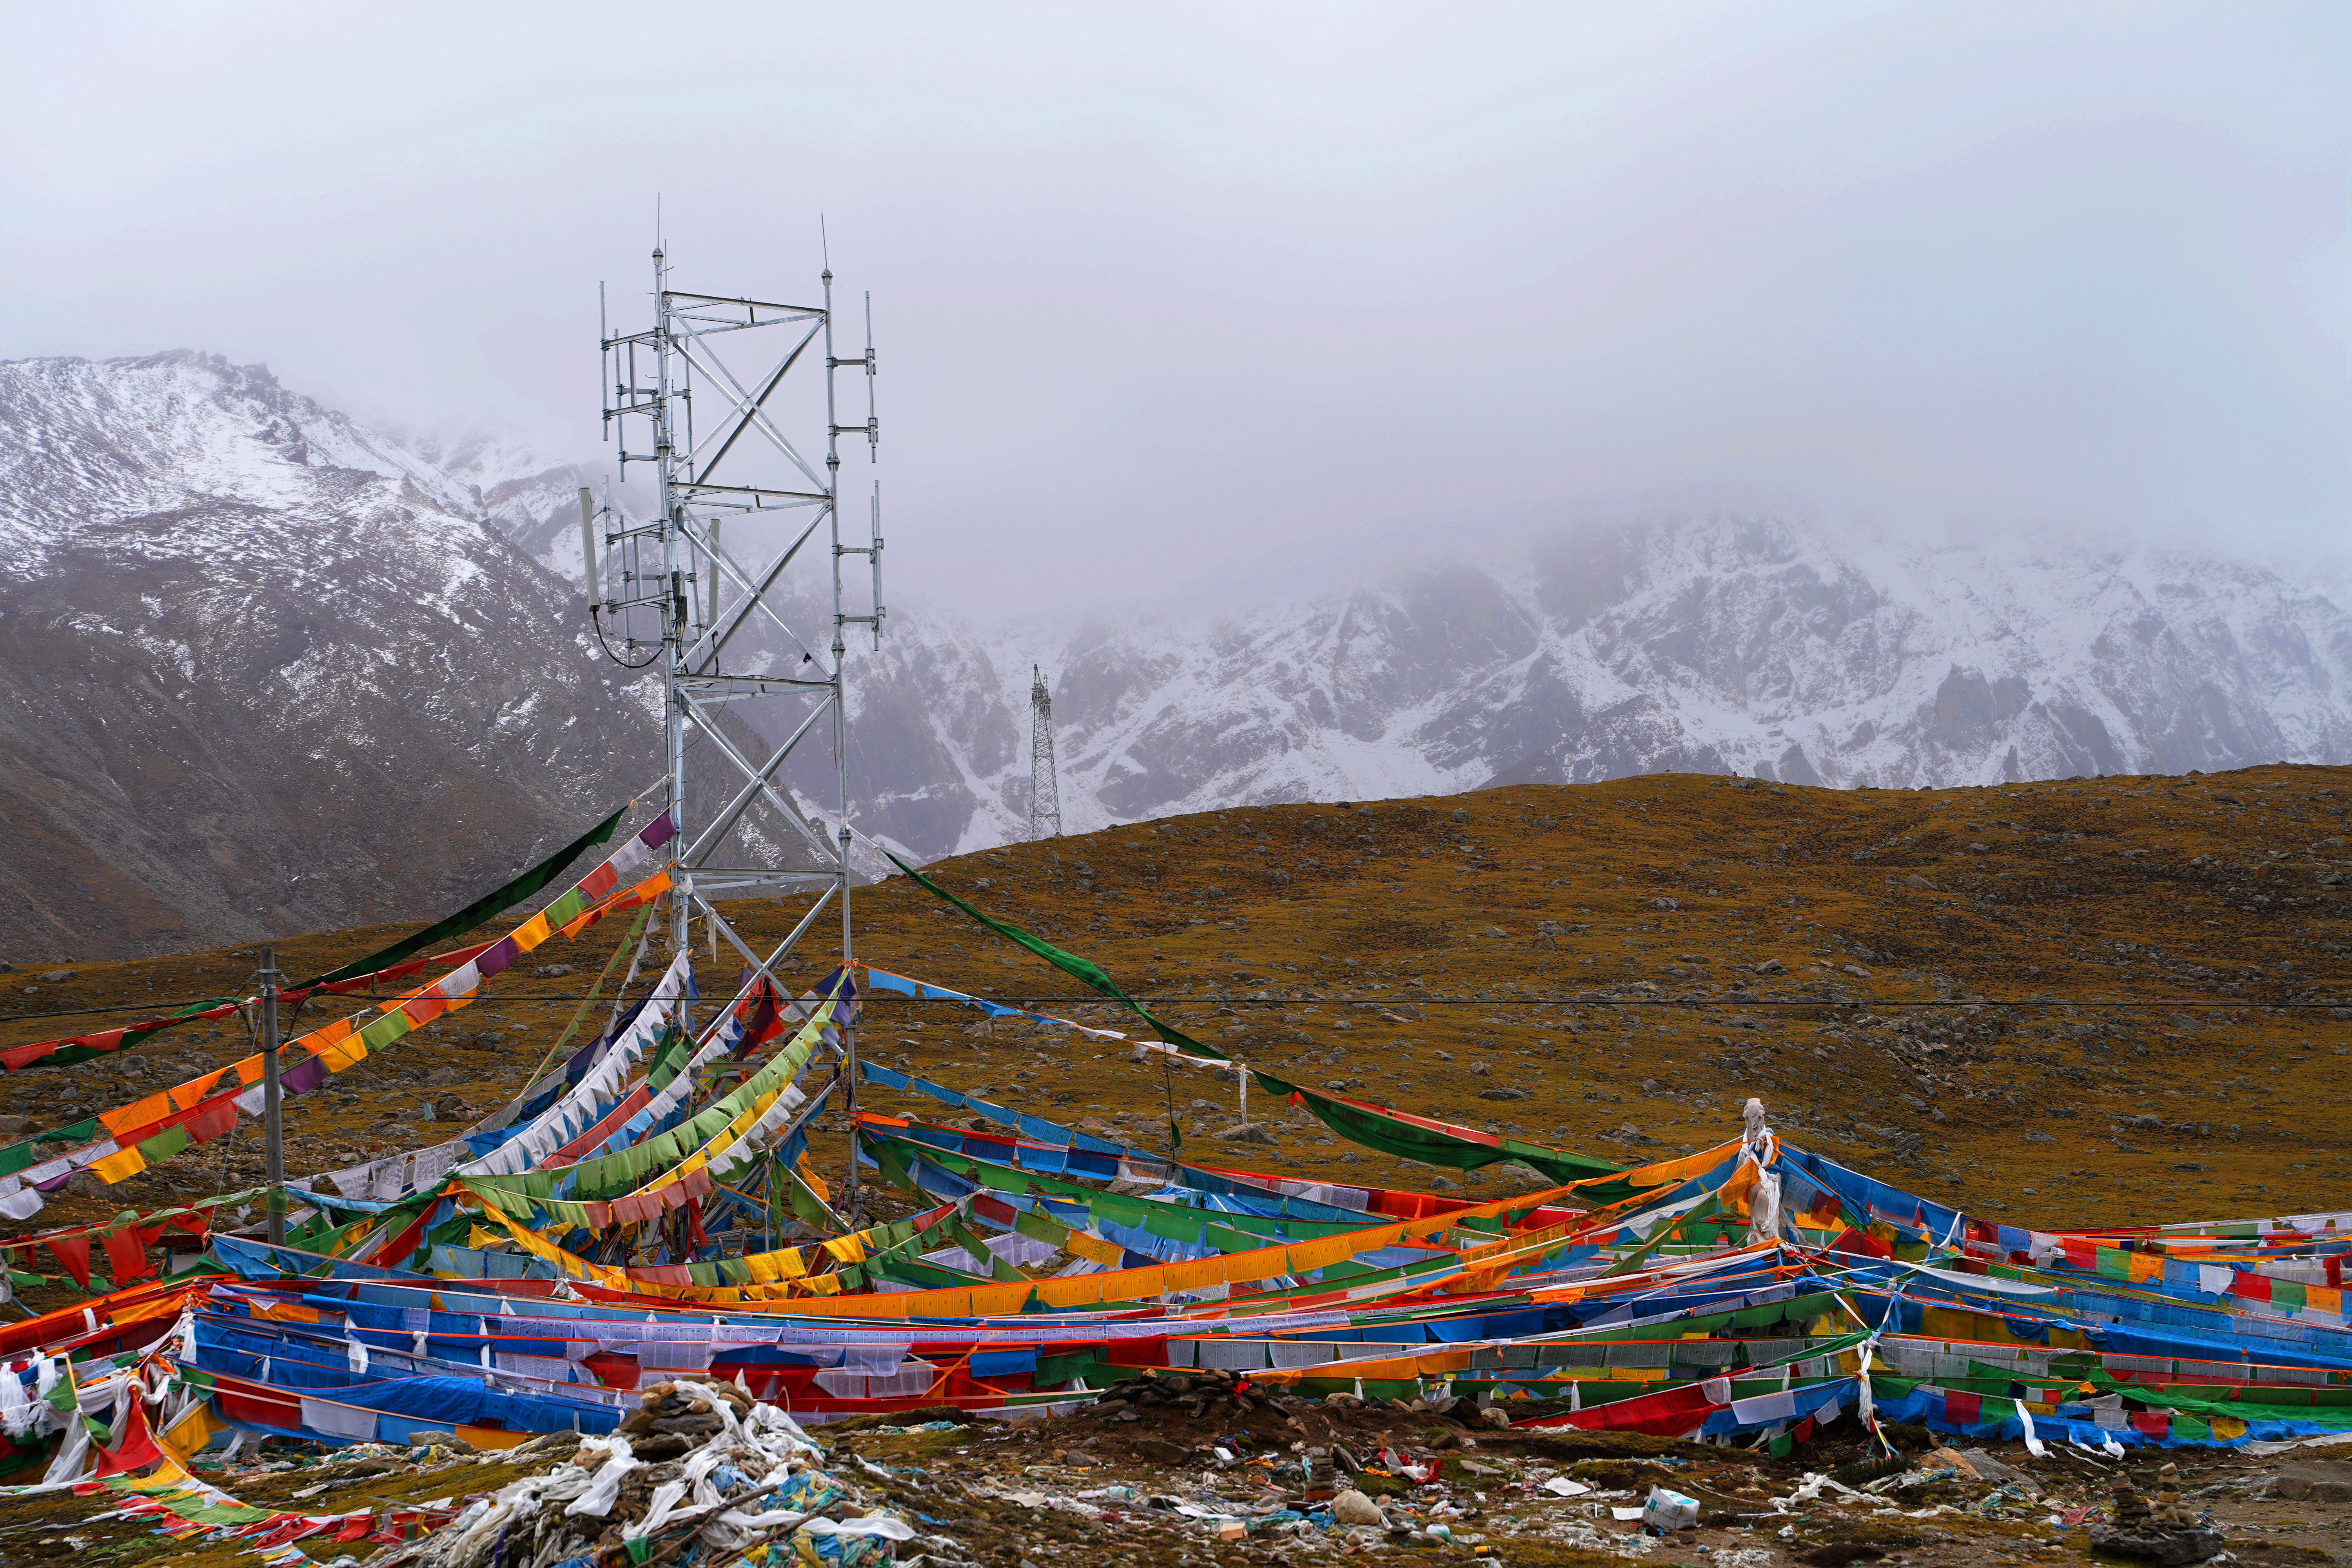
x: 1044, y: 789
x: 722, y: 616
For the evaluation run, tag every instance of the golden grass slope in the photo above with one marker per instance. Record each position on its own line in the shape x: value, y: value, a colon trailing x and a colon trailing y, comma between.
x: 1640, y: 956
x: 2053, y: 1003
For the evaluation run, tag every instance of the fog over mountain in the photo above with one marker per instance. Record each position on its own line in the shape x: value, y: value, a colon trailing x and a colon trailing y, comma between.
x: 269, y: 669
x: 1163, y: 294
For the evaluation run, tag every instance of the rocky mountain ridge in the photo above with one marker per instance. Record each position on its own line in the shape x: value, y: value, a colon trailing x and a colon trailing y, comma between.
x: 269, y: 669
x: 265, y: 670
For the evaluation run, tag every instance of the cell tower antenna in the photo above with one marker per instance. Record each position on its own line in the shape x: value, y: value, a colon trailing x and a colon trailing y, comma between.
x: 716, y: 590
x: 1044, y: 790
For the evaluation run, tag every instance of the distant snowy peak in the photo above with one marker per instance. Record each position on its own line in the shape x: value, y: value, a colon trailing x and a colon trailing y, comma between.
x: 1723, y: 644
x: 1727, y: 643
x: 128, y: 436
x: 95, y: 441
x: 530, y: 499
x: 267, y: 669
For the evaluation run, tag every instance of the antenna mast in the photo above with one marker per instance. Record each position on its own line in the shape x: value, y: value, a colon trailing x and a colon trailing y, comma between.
x: 748, y: 683
x: 1044, y: 789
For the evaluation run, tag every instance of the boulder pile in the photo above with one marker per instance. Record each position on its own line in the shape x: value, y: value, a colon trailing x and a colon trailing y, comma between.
x: 1197, y: 1393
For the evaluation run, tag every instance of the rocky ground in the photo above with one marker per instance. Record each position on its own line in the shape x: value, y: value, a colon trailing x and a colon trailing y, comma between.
x: 1291, y: 1481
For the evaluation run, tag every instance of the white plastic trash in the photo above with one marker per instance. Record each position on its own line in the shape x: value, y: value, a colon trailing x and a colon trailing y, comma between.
x: 1669, y: 1510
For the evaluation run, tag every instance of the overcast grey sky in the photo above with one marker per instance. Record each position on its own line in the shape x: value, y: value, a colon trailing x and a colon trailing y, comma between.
x: 1168, y: 293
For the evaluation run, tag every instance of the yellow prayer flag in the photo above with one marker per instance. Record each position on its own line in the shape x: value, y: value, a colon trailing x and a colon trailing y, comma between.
x: 810, y: 1180
x: 1094, y: 1249
x: 118, y: 1166
x: 183, y: 1438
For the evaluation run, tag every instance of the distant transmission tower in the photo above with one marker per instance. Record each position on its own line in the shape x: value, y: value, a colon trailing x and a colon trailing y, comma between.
x: 1045, y: 793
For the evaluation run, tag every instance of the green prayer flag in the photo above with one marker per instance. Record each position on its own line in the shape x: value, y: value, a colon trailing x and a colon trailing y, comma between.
x: 163, y: 1146
x: 1083, y: 970
x: 475, y: 914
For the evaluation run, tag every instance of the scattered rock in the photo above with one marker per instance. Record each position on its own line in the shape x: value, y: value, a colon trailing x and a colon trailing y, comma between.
x: 15, y: 1126
x: 1917, y: 880
x: 57, y: 976
x: 2318, y: 1481
x: 550, y: 971
x: 1664, y: 904
x: 1245, y: 1132
x: 1992, y: 1469
x: 1352, y: 1507
x: 1771, y: 966
x: 1504, y: 1092
x: 1460, y: 814
x: 2166, y: 1546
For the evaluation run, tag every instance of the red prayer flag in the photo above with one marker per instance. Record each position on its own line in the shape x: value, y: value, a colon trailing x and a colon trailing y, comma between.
x: 211, y: 1117
x: 1861, y: 1242
x: 72, y: 1253
x: 134, y: 1448
x: 396, y: 1253
x: 1667, y: 1414
x: 126, y: 1257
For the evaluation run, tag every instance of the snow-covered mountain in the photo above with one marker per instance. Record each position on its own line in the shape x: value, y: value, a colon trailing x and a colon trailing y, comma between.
x: 262, y: 670
x: 1747, y: 645
x: 267, y: 669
